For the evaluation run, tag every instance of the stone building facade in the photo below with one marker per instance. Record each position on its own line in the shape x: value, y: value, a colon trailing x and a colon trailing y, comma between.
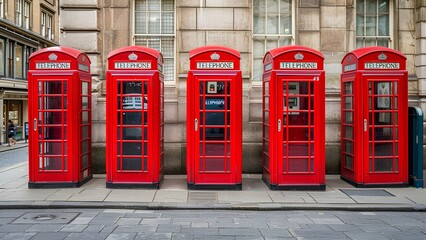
x: 25, y: 27
x: 250, y: 26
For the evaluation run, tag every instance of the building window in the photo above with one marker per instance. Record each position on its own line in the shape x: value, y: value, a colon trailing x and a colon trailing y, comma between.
x: 28, y: 51
x: 27, y: 8
x: 2, y: 8
x: 373, y: 23
x: 18, y: 12
x: 46, y: 25
x: 273, y: 26
x: 10, y: 62
x: 18, y: 61
x: 2, y: 57
x: 155, y: 28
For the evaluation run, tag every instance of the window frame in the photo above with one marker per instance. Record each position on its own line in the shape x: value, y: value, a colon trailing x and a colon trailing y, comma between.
x: 267, y: 36
x: 158, y: 35
x: 15, y: 61
x: 26, y: 57
x: 3, y: 57
x: 2, y: 8
x: 19, y: 6
x: 10, y: 64
x: 26, y: 18
x: 364, y: 37
x: 46, y: 24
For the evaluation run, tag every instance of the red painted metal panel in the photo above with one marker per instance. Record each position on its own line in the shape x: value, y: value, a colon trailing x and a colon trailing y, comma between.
x: 214, y: 118
x: 135, y: 118
x: 379, y: 92
x: 59, y: 94
x: 294, y: 118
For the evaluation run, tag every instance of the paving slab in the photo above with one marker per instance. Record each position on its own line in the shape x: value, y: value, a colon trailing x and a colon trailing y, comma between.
x: 18, y: 236
x: 26, y: 194
x: 381, y: 200
x: 317, y: 234
x: 239, y: 232
x: 128, y: 221
x: 243, y: 197
x: 87, y: 236
x: 64, y: 194
x: 90, y: 195
x: 414, y: 194
x: 279, y: 197
x: 173, y: 182
x: 118, y: 195
x: 121, y: 236
x: 334, y: 197
x: 74, y: 228
x: 171, y: 196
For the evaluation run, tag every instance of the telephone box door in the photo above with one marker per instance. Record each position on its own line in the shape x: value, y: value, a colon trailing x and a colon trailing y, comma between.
x: 213, y: 133
x: 384, y: 139
x: 132, y: 133
x: 297, y: 143
x: 49, y: 127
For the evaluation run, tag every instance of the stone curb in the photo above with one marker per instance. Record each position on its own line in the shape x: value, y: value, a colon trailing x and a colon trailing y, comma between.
x: 214, y: 206
x: 6, y: 149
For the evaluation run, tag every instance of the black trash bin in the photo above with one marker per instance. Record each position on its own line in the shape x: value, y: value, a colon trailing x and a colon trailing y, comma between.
x: 415, y: 146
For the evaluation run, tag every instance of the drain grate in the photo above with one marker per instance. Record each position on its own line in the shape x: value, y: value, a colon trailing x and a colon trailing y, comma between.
x: 202, y: 197
x: 35, y: 218
x: 367, y: 192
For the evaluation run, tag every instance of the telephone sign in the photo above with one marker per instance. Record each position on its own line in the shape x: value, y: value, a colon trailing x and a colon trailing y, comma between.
x: 214, y: 118
x: 135, y: 118
x: 374, y: 110
x: 59, y: 96
x: 294, y: 119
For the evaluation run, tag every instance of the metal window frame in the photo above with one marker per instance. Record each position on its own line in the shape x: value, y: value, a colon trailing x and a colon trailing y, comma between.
x: 267, y: 36
x: 159, y: 35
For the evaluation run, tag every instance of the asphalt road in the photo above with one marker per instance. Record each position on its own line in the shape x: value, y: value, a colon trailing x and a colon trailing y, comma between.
x: 214, y: 224
x: 13, y: 157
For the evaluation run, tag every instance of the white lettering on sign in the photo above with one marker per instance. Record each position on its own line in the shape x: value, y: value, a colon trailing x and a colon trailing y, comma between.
x: 215, y: 65
x: 381, y: 65
x: 132, y: 65
x: 349, y: 67
x: 215, y: 102
x: 83, y: 67
x: 298, y: 65
x: 53, y: 65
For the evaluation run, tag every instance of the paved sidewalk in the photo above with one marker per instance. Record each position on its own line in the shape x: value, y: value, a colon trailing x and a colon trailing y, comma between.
x: 173, y: 194
x: 20, y: 144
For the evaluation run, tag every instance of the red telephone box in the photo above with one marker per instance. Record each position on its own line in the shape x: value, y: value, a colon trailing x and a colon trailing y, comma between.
x: 294, y: 119
x: 59, y: 113
x: 135, y: 118
x: 214, y: 118
x: 374, y: 112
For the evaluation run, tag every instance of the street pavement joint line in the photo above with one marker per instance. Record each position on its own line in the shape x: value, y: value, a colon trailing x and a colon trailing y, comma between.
x: 13, y: 167
x: 311, y: 197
